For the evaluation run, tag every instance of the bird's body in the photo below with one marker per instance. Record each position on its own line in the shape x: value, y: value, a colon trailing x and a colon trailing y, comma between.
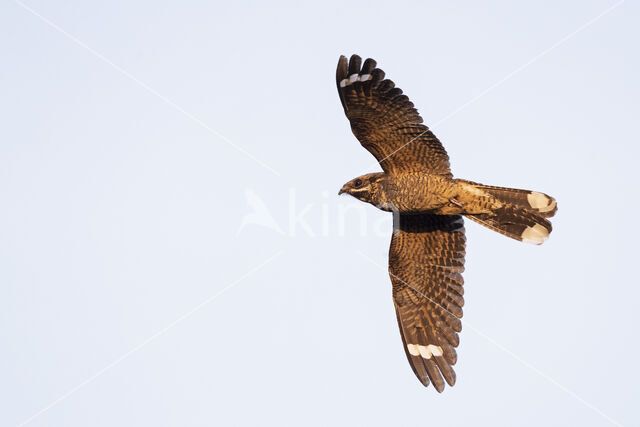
x: 418, y: 192
x: 426, y: 256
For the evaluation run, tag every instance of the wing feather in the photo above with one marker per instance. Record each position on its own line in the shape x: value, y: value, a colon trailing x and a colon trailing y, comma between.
x: 426, y: 260
x: 386, y: 122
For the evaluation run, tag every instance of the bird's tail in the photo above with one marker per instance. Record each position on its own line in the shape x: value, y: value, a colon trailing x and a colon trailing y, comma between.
x: 521, y: 214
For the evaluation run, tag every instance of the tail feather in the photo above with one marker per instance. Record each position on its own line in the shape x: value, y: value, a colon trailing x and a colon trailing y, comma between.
x: 539, y: 203
x: 516, y: 223
x: 522, y: 215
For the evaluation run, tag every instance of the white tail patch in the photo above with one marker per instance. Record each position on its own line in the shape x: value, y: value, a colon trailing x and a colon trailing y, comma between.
x: 426, y: 351
x: 541, y: 202
x: 536, y: 234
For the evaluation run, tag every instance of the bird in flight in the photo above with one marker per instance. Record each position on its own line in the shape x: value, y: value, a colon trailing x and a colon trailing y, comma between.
x: 426, y: 257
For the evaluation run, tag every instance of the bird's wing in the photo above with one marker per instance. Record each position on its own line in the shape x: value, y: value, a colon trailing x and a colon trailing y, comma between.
x: 386, y: 122
x: 426, y: 261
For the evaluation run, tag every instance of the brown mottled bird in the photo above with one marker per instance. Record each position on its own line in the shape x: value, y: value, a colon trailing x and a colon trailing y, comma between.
x: 426, y: 257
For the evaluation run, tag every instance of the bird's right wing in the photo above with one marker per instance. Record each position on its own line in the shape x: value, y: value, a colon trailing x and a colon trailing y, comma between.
x: 386, y: 122
x: 426, y: 261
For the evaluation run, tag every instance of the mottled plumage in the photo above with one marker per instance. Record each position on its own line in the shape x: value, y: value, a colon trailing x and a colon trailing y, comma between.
x: 426, y: 257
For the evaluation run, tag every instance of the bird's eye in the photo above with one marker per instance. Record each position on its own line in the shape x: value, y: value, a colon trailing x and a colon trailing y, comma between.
x: 357, y: 183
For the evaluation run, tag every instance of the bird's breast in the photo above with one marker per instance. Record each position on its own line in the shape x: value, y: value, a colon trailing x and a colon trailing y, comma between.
x: 419, y: 192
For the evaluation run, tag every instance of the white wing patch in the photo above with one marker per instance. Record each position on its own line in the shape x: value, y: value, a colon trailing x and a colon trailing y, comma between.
x: 426, y: 351
x: 355, y: 78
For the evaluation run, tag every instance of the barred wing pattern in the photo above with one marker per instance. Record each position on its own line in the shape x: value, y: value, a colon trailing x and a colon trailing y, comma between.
x: 426, y: 261
x: 386, y: 122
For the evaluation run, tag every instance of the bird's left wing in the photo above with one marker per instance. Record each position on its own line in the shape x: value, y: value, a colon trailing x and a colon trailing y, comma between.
x: 426, y: 261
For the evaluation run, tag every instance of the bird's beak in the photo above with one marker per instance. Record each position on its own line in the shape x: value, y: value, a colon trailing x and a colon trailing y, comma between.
x: 343, y: 190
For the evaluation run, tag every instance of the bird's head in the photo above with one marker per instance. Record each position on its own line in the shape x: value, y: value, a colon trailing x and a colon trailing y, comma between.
x: 367, y: 188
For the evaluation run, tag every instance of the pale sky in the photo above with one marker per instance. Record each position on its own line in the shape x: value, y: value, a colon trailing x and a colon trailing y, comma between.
x: 173, y: 251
